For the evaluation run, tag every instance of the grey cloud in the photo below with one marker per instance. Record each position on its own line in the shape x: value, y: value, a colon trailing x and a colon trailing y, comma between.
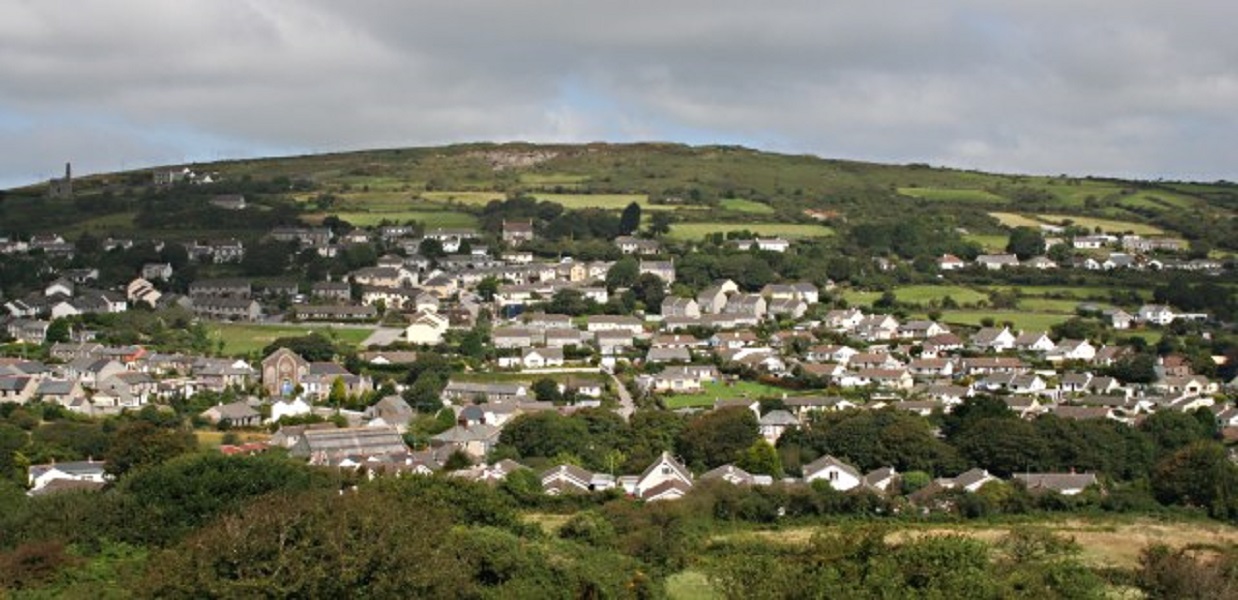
x: 1112, y: 87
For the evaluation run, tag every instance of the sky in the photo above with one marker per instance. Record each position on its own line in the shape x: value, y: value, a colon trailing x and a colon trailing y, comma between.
x: 1127, y: 88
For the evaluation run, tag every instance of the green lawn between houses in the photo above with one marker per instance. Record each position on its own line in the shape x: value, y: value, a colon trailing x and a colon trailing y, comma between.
x: 241, y: 339
x: 722, y: 391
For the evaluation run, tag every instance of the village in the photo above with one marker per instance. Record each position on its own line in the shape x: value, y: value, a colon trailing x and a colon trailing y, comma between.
x: 685, y: 352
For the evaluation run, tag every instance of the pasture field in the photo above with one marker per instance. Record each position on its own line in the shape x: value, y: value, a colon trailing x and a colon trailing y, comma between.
x: 565, y: 179
x: 1106, y: 225
x: 746, y: 206
x: 463, y: 196
x: 696, y: 231
x: 953, y: 195
x: 724, y: 391
x: 431, y: 219
x: 1015, y: 220
x: 241, y: 339
x: 1052, y: 305
x: 1079, y: 292
x: 102, y: 225
x: 919, y: 294
x: 606, y: 201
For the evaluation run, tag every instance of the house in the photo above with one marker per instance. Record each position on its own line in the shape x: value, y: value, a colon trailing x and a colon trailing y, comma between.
x: 567, y: 479
x: 334, y: 312
x: 464, y: 392
x: 684, y: 379
x: 680, y: 307
x: 882, y: 479
x: 1073, y: 350
x: 897, y: 379
x: 1118, y: 318
x: 1034, y: 341
x: 730, y: 474
x: 748, y: 305
x: 390, y: 411
x: 1155, y: 314
x: 997, y: 262
x: 633, y: 245
x: 234, y: 288
x: 18, y: 389
x: 950, y: 262
x: 968, y: 481
x: 665, y: 355
x: 226, y: 308
x: 664, y: 270
x: 338, y: 291
x: 1067, y: 484
x: 991, y: 338
x: 921, y: 330
x: 840, y: 475
x: 773, y: 423
x: 229, y: 201
x: 475, y: 441
x: 538, y: 358
x: 426, y: 328
x: 517, y: 232
x: 235, y: 414
x: 665, y: 479
x: 39, y: 477
x: 711, y: 299
x: 598, y: 323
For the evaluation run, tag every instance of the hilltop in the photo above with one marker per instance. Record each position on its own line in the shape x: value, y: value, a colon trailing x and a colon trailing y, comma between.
x: 705, y: 189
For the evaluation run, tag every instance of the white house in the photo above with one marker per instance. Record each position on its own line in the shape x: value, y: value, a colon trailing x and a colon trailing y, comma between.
x: 665, y: 479
x: 1156, y: 314
x: 840, y: 475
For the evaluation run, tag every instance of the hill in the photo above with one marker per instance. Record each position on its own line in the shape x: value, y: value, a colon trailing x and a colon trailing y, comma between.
x: 704, y: 189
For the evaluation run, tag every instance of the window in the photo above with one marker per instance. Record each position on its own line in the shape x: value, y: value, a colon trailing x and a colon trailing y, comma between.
x: 833, y: 475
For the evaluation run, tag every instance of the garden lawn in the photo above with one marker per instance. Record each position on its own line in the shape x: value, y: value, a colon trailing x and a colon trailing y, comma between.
x: 722, y: 391
x: 241, y: 339
x: 991, y: 242
x: 696, y: 231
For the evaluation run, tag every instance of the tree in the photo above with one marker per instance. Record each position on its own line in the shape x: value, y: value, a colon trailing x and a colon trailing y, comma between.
x: 431, y: 248
x: 488, y: 287
x: 424, y: 395
x: 1171, y: 430
x: 314, y: 347
x: 623, y: 273
x: 1199, y: 474
x: 339, y: 392
x: 761, y: 459
x: 141, y: 444
x: 718, y: 437
x: 629, y: 221
x: 659, y: 224
x: 58, y: 331
x: 1025, y: 243
x: 650, y: 290
x: 547, y: 390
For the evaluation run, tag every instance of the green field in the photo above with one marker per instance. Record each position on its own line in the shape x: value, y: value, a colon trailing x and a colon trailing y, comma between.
x: 696, y: 231
x: 724, y: 391
x: 463, y: 197
x: 1015, y: 220
x: 952, y: 195
x: 1021, y: 320
x: 746, y: 206
x: 1051, y: 305
x: 241, y: 339
x: 918, y: 294
x: 429, y: 218
x: 1078, y: 292
x: 564, y: 179
x: 1106, y: 225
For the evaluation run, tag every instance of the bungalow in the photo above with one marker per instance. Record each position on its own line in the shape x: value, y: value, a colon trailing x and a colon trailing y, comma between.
x: 475, y: 441
x: 235, y: 414
x: 328, y: 312
x: 898, y: 379
x: 538, y: 358
x: 597, y: 323
x: 1073, y: 350
x: 465, y: 392
x: 931, y: 367
x: 567, y: 479
x: 1156, y: 314
x: 968, y: 481
x: 91, y: 471
x: 668, y: 354
x: 997, y: 262
x: 226, y: 308
x: 921, y: 330
x: 633, y: 245
x: 950, y: 262
x: 426, y: 328
x: 1067, y: 484
x: 1034, y: 341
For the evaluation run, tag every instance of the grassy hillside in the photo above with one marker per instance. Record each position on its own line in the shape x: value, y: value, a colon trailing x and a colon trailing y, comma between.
x: 708, y: 185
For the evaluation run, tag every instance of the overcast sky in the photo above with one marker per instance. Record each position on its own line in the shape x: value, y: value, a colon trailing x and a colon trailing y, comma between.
x: 1107, y: 87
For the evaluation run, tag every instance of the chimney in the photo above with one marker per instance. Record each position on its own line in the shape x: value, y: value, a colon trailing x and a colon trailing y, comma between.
x: 68, y: 171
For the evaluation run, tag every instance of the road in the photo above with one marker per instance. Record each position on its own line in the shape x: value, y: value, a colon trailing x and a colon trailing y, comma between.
x: 626, y: 405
